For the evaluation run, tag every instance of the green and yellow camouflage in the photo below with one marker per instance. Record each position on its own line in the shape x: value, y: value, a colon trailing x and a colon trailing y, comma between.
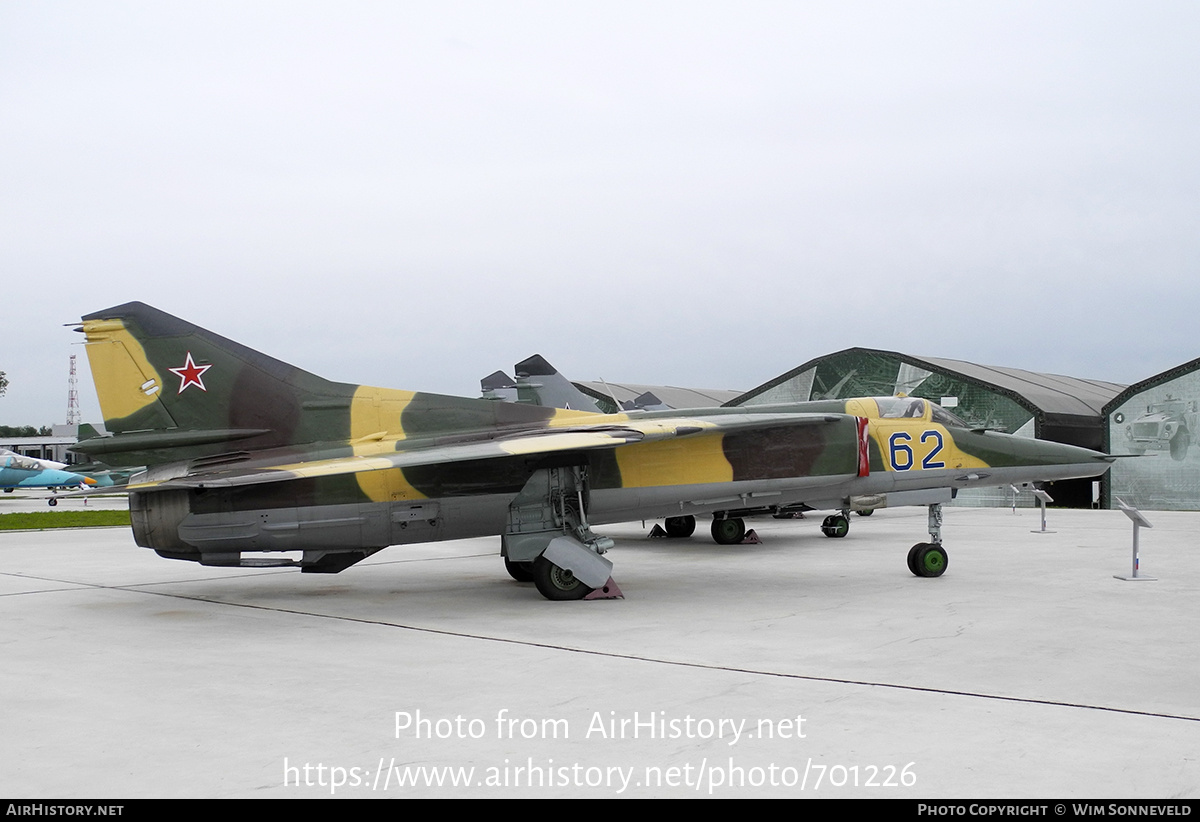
x: 247, y: 456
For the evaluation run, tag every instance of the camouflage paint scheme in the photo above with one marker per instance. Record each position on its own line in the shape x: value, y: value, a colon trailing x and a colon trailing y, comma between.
x: 248, y: 454
x: 905, y: 432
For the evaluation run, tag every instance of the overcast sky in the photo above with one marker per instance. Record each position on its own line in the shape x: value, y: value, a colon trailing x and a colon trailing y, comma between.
x: 415, y: 194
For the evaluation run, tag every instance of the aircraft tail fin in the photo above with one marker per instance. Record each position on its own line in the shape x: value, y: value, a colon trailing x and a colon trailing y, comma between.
x: 498, y: 386
x: 539, y: 383
x: 164, y: 383
x: 87, y: 430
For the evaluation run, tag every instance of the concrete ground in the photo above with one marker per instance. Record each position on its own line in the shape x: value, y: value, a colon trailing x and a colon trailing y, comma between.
x: 38, y: 499
x: 803, y: 666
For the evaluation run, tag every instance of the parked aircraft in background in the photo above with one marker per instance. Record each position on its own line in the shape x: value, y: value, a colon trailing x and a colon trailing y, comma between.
x: 540, y: 383
x: 247, y: 455
x: 18, y: 471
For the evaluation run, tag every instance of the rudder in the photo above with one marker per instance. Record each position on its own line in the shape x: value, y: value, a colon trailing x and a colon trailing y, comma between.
x: 157, y: 373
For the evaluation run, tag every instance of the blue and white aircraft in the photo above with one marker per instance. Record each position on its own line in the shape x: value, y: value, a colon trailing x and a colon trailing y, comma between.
x: 17, y: 471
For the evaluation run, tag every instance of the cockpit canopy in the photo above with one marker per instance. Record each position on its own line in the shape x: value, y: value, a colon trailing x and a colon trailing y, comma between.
x: 10, y: 459
x: 916, y: 408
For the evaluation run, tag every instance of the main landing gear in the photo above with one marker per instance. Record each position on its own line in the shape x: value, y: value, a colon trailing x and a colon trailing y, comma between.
x: 925, y: 559
x: 728, y: 530
x: 929, y: 559
x: 556, y: 583
x: 732, y: 530
x: 679, y: 527
x: 548, y: 541
x: 520, y: 571
x: 725, y: 530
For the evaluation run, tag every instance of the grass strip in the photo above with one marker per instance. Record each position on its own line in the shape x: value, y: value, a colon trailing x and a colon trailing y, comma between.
x: 62, y: 519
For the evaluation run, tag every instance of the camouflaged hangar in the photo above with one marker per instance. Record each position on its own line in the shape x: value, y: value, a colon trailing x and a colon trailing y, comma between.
x: 1156, y: 420
x: 1026, y: 403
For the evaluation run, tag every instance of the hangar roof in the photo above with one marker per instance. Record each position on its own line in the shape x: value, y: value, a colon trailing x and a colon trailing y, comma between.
x: 1053, y: 393
x: 1164, y: 376
x: 1050, y: 393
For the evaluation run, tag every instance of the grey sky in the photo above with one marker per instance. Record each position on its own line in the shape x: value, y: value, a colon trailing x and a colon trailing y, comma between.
x: 416, y: 194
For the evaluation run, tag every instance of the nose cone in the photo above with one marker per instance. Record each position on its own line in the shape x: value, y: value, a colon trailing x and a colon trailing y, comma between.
x: 61, y: 478
x: 1035, y: 460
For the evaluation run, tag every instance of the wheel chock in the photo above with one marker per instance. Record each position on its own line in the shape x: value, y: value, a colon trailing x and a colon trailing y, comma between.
x: 657, y: 532
x: 608, y: 590
x: 751, y: 538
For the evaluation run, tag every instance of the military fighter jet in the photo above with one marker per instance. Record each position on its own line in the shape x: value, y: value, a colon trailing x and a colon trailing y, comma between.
x: 17, y: 471
x: 248, y: 456
x: 540, y: 383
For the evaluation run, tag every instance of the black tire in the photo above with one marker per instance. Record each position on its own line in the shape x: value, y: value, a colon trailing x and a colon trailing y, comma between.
x: 520, y: 571
x: 556, y: 583
x: 912, y: 557
x: 931, y: 561
x: 53, y: 502
x: 680, y: 527
x: 728, y: 531
x: 1180, y: 444
x: 865, y: 513
x: 835, y: 526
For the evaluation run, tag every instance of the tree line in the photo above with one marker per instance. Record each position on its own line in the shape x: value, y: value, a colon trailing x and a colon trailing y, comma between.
x: 19, y: 430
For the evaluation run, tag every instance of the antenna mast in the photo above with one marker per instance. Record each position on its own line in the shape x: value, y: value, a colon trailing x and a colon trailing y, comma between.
x: 73, y: 396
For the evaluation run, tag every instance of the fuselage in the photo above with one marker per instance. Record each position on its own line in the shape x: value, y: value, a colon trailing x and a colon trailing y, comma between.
x: 246, y: 453
x: 818, y: 465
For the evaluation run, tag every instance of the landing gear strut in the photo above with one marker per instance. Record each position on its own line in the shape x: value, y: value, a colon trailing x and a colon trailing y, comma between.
x: 929, y: 559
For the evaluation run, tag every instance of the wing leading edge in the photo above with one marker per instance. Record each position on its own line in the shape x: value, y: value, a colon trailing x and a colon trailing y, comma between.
x: 388, y: 455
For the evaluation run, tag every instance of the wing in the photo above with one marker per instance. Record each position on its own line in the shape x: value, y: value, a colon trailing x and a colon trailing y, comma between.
x: 383, y: 456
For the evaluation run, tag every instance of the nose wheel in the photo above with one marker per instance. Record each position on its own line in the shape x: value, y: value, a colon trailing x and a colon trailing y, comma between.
x: 929, y: 559
x: 835, y: 526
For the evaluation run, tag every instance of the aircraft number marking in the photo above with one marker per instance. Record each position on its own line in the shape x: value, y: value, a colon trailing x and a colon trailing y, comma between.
x: 928, y: 461
x: 901, y: 453
x: 898, y: 447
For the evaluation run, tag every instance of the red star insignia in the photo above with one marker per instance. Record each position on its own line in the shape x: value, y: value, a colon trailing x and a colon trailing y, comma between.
x: 190, y: 374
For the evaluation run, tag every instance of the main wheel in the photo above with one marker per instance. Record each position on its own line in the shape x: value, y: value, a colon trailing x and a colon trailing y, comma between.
x: 865, y: 513
x: 931, y: 561
x: 728, y: 531
x: 557, y: 583
x: 52, y: 502
x: 836, y: 526
x: 520, y: 571
x: 680, y: 527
